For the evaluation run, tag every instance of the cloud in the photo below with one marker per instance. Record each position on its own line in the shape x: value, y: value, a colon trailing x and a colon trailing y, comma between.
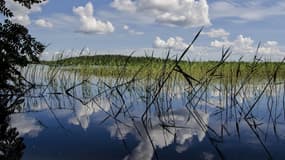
x: 124, y: 5
x: 89, y: 24
x: 216, y: 33
x: 25, y: 125
x: 131, y: 31
x: 21, y: 14
x: 186, y: 13
x: 270, y: 47
x: 208, y: 156
x: 176, y: 43
x: 126, y: 27
x: 247, y: 10
x: 179, y: 136
x: 240, y: 44
x: 43, y: 23
x: 246, y: 45
x: 83, y: 112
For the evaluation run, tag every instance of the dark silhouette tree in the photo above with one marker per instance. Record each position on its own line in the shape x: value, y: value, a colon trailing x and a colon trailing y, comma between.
x: 26, y: 3
x: 17, y: 49
x: 11, y: 145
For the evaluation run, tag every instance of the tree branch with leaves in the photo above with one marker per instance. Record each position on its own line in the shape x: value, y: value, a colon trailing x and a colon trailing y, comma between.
x: 17, y: 49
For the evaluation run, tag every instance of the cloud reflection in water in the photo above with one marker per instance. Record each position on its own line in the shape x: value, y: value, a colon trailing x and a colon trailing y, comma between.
x: 25, y: 125
x: 160, y: 136
x: 83, y: 112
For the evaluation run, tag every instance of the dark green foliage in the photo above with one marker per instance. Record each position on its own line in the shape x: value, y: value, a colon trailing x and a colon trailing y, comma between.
x: 26, y: 3
x: 110, y: 65
x: 106, y: 60
x: 4, y: 10
x: 17, y: 48
x: 11, y: 145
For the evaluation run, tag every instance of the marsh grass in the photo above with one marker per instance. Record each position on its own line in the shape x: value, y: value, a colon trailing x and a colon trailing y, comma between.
x: 157, y: 94
x: 125, y: 80
x: 111, y: 65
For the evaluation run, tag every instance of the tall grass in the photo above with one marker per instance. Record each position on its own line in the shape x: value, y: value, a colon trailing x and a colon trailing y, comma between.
x: 111, y: 65
x: 124, y: 81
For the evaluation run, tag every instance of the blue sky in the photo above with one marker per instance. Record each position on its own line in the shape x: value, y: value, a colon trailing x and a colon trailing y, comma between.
x: 122, y: 26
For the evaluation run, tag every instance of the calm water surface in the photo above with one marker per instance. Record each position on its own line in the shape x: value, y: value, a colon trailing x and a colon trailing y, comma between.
x: 77, y: 117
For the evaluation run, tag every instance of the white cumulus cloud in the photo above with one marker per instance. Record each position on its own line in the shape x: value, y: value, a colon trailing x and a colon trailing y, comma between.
x: 43, y: 23
x: 240, y: 44
x: 216, y: 33
x: 21, y: 14
x: 186, y: 13
x: 247, y: 45
x: 89, y: 24
x: 270, y: 47
x: 124, y: 5
x: 176, y: 43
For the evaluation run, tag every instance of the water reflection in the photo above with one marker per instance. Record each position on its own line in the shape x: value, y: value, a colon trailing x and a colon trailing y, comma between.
x: 215, y: 121
x: 11, y: 142
x: 176, y: 128
x: 83, y: 112
x: 25, y: 125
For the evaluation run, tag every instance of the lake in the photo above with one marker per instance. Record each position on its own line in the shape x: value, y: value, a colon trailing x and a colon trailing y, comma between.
x: 72, y: 116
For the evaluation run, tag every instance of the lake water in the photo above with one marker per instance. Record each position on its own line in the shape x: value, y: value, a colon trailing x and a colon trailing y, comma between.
x: 69, y: 116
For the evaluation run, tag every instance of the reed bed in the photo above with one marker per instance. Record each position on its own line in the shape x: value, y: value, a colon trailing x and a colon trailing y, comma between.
x: 110, y: 65
x: 232, y: 92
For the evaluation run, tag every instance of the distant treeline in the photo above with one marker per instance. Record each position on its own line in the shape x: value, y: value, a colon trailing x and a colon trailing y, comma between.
x: 110, y: 60
x: 109, y: 65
